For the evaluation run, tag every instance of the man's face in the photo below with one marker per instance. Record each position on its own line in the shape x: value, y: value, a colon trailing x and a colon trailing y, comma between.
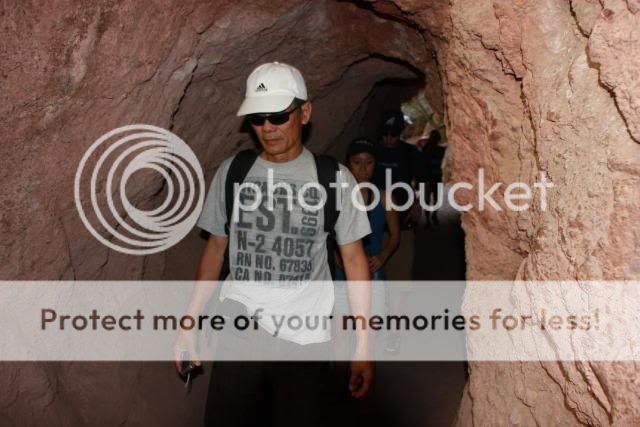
x: 282, y: 143
x: 390, y: 140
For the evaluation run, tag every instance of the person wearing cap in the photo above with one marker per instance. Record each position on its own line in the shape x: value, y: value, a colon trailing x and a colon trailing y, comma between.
x: 401, y: 161
x: 245, y: 393
x: 397, y: 157
x: 432, y: 155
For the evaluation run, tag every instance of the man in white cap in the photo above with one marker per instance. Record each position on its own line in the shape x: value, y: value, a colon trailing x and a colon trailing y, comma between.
x: 282, y: 244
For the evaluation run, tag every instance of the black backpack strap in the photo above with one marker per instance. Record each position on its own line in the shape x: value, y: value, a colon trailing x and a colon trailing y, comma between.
x: 238, y: 170
x: 327, y: 168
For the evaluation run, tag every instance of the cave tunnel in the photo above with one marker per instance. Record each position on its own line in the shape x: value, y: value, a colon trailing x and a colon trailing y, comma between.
x: 521, y: 87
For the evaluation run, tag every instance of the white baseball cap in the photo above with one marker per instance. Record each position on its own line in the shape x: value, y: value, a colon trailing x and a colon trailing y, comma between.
x: 271, y: 88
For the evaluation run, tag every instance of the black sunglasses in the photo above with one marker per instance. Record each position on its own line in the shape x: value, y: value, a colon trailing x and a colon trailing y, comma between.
x: 275, y: 118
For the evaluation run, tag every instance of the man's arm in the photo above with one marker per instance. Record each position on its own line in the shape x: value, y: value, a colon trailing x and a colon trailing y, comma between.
x: 356, y: 267
x: 208, y: 271
x: 212, y: 257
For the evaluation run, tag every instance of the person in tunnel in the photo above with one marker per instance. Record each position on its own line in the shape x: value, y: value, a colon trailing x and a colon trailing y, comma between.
x: 361, y: 162
x: 397, y: 166
x: 432, y: 154
x: 283, y: 393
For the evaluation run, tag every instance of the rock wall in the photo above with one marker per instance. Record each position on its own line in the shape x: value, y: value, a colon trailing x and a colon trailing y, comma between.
x: 549, y: 86
x: 561, y: 106
x: 75, y: 71
x: 526, y: 86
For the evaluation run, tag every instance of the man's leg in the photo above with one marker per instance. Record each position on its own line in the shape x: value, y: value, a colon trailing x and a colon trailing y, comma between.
x: 238, y: 392
x: 301, y: 388
x: 301, y: 393
x: 400, y: 268
x: 237, y: 395
x: 398, y: 275
x: 430, y: 200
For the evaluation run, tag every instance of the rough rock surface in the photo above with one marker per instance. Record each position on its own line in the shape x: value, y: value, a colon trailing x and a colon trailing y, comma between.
x: 73, y: 72
x: 551, y: 86
x: 523, y: 95
x: 614, y: 46
x: 526, y: 86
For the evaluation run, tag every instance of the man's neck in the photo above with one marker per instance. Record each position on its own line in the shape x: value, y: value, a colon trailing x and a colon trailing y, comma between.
x: 285, y: 157
x: 390, y: 142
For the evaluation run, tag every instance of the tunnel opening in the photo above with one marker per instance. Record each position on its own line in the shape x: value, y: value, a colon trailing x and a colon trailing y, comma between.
x: 388, y: 93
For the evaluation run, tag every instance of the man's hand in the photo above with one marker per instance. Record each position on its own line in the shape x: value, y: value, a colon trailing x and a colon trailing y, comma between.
x: 362, y: 372
x: 207, y: 276
x: 186, y: 342
x: 356, y: 266
x: 375, y: 263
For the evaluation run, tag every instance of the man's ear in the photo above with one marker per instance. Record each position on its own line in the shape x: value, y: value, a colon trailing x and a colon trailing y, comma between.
x: 306, y: 112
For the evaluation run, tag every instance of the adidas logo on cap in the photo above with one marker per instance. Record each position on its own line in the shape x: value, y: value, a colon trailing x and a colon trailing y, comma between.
x: 271, y: 87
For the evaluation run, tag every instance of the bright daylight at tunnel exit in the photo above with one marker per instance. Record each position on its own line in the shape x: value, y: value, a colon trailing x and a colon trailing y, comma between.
x: 320, y: 212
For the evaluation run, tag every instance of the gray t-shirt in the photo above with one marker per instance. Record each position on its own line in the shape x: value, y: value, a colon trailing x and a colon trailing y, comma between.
x: 282, y: 251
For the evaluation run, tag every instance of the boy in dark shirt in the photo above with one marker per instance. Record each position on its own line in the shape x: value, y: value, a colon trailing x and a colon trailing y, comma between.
x: 401, y: 159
